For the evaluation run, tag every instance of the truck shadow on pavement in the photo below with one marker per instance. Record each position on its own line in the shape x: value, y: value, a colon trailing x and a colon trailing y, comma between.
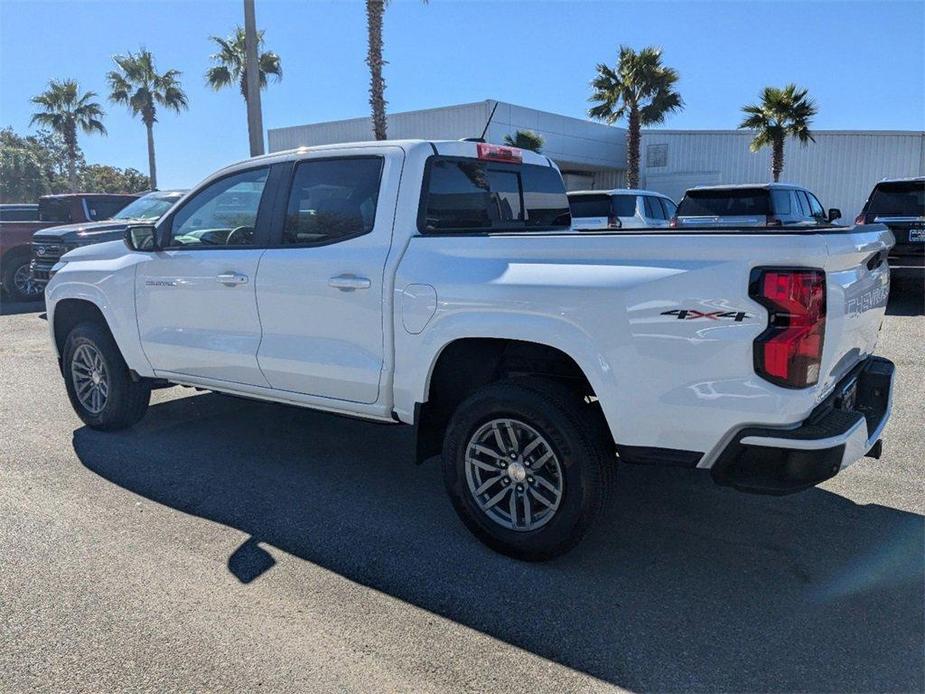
x: 683, y: 585
x: 15, y: 308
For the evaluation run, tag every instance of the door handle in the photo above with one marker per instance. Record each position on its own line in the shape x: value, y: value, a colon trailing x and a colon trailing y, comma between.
x: 348, y: 283
x: 230, y: 279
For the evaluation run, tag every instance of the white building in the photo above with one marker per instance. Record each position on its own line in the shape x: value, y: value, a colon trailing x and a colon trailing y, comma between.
x: 841, y: 167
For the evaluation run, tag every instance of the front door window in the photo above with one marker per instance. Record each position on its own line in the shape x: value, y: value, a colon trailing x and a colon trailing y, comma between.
x: 222, y: 214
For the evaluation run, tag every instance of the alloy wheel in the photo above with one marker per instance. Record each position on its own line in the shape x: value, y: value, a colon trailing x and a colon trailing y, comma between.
x: 22, y: 281
x: 90, y: 378
x: 513, y: 474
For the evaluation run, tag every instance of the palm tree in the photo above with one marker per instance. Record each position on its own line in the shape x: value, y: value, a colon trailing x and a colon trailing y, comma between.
x: 782, y: 113
x: 64, y: 110
x: 375, y: 11
x: 232, y: 63
x: 639, y: 89
x: 526, y: 139
x: 137, y: 84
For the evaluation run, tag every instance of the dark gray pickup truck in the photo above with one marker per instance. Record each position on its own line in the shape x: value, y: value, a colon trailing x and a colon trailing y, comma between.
x: 48, y: 245
x: 900, y: 204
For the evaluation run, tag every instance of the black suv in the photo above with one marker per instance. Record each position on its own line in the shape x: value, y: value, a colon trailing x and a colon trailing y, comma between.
x: 900, y: 204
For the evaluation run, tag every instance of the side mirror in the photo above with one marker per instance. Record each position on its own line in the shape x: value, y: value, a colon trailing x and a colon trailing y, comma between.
x: 140, y: 237
x: 834, y: 213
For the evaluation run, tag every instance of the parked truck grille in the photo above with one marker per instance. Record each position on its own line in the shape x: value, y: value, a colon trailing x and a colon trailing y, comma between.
x: 44, y: 256
x: 48, y: 252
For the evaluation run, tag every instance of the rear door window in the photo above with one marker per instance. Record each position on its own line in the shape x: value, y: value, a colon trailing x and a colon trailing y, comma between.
x: 725, y: 203
x: 332, y: 200
x: 781, y: 201
x: 624, y: 205
x: 464, y: 195
x: 898, y: 199
x: 654, y: 210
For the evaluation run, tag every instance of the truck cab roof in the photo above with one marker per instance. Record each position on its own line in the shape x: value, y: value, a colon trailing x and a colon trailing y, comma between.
x: 448, y: 148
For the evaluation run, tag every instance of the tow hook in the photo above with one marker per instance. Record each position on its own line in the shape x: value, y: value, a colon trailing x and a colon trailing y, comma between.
x: 876, y: 450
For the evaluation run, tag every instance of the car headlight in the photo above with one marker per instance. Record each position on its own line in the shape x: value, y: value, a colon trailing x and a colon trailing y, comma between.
x: 54, y: 268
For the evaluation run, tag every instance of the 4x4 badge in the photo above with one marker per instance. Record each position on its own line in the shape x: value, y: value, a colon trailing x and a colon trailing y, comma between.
x: 691, y: 314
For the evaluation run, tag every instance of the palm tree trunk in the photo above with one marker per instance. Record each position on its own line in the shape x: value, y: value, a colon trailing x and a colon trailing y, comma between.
x: 375, y: 9
x: 633, y: 137
x: 777, y: 158
x: 152, y: 166
x: 72, y: 167
x: 70, y: 139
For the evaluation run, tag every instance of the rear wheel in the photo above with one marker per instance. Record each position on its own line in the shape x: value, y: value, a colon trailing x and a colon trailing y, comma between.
x: 98, y: 381
x: 527, y: 467
x: 17, y: 281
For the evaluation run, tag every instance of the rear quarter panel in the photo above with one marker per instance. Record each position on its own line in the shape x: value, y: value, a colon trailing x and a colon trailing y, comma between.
x: 661, y: 325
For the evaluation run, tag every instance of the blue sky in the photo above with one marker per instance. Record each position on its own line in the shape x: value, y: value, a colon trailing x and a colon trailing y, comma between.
x: 862, y: 61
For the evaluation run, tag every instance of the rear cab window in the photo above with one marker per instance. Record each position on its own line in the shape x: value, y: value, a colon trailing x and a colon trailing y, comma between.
x: 897, y: 199
x: 733, y: 202
x: 464, y: 194
x: 54, y: 210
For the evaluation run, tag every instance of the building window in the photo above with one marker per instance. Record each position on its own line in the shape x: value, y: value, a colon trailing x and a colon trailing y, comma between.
x: 656, y: 156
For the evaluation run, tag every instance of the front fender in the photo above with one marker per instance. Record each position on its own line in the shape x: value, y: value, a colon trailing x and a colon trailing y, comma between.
x: 112, y: 291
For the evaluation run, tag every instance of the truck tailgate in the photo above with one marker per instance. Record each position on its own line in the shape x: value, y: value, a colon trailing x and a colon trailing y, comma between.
x: 857, y: 275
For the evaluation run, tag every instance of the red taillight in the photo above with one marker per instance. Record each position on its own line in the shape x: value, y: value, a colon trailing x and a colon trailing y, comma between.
x: 673, y: 223
x: 789, y: 352
x: 499, y: 153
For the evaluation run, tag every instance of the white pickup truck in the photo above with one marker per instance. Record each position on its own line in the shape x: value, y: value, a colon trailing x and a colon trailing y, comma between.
x: 437, y: 284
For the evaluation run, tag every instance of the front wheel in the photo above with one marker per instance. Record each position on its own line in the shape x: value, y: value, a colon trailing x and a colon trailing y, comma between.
x: 18, y: 282
x: 98, y: 382
x: 527, y: 467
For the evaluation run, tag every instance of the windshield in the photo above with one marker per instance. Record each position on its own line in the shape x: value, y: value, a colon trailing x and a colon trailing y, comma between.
x: 148, y: 207
x: 900, y: 199
x: 725, y: 203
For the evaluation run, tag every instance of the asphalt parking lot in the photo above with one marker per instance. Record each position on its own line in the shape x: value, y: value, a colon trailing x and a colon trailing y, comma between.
x: 225, y: 544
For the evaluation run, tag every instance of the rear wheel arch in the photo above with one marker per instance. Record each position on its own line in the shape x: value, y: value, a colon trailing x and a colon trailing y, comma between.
x: 465, y: 365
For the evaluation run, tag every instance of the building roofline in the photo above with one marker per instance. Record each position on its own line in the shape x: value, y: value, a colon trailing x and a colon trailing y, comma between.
x: 452, y: 106
x: 815, y: 131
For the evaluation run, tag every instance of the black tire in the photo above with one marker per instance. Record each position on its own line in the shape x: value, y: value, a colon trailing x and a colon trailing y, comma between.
x: 575, y: 433
x: 17, y: 265
x: 126, y: 400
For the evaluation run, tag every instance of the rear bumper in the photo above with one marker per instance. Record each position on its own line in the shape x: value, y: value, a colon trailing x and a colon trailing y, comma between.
x: 782, y: 461
x: 906, y: 263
